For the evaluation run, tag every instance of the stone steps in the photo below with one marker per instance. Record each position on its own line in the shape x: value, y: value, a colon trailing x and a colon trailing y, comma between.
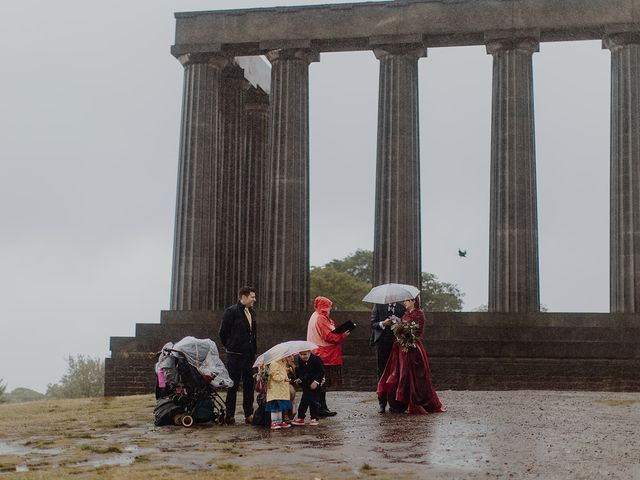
x: 474, y: 350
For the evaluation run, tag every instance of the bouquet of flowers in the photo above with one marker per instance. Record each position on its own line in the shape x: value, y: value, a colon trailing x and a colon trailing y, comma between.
x: 262, y: 378
x: 405, y: 333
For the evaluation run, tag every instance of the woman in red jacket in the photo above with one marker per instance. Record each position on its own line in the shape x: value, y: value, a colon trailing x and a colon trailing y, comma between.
x: 320, y: 332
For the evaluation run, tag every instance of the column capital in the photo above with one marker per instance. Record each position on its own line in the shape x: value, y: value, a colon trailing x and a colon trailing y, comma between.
x: 526, y: 45
x: 304, y: 54
x: 416, y: 50
x: 618, y: 40
x: 215, y: 59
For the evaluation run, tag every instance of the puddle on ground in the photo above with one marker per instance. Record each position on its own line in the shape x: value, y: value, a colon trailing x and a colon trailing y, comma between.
x: 124, y: 459
x: 21, y: 449
x: 7, y: 448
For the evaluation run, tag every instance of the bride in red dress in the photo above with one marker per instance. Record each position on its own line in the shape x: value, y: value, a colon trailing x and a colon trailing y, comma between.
x: 406, y: 380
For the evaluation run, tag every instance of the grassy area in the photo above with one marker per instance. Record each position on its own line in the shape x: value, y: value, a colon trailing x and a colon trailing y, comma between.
x: 114, y: 438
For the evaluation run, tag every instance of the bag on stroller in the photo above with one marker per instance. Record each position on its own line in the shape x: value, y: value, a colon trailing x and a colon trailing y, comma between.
x: 187, y: 377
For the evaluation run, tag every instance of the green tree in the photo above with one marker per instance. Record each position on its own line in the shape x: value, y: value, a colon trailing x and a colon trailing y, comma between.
x: 345, y: 281
x: 439, y: 296
x: 3, y: 387
x: 344, y: 290
x: 84, y: 378
x: 358, y: 264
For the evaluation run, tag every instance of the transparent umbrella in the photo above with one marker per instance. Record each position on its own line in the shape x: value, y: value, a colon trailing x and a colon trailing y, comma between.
x: 391, y: 293
x: 282, y: 350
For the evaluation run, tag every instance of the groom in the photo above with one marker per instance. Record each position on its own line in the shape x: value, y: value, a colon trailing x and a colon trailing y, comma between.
x: 382, y: 337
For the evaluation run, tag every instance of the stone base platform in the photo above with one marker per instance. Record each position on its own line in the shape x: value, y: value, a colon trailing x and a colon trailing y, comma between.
x: 467, y: 351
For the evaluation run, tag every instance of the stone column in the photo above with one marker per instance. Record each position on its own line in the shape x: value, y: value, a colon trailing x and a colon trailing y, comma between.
x: 625, y: 172
x: 397, y: 239
x: 252, y: 175
x: 230, y: 201
x: 513, y: 241
x: 194, y: 271
x: 286, y: 244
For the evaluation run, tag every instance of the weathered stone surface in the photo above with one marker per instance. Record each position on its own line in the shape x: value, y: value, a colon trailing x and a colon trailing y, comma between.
x: 230, y: 202
x: 194, y: 267
x: 487, y: 351
x: 216, y: 218
x: 397, y: 239
x: 513, y: 226
x: 252, y: 188
x: 625, y: 172
x: 285, y: 269
x: 355, y: 26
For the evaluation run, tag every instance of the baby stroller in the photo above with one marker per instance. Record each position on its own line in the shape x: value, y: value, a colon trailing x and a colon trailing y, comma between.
x: 188, y: 375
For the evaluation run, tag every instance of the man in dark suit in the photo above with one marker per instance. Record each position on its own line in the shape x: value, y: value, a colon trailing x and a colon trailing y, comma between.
x: 382, y: 318
x: 238, y: 335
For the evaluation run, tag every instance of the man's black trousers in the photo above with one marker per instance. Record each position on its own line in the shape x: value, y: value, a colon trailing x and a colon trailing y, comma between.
x: 383, y: 350
x: 240, y: 367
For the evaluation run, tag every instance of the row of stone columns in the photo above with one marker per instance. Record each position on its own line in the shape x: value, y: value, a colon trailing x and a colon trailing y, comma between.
x: 513, y: 257
x: 218, y: 197
x: 242, y: 214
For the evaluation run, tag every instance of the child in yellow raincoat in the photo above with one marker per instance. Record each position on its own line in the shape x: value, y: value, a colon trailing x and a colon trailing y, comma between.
x: 278, y: 397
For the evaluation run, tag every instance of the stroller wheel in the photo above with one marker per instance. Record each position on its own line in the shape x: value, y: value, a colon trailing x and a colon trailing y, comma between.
x: 186, y: 420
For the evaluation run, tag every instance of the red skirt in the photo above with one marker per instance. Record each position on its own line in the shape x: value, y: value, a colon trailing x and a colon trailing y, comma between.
x: 406, y: 381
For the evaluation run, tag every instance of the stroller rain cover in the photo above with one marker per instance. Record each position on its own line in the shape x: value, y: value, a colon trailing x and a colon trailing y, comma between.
x: 203, y: 355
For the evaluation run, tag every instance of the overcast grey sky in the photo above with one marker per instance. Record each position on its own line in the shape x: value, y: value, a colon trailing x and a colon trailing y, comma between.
x: 89, y: 123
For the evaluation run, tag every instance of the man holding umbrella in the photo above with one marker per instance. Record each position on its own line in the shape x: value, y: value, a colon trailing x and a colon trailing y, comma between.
x: 383, y: 316
x: 388, y: 310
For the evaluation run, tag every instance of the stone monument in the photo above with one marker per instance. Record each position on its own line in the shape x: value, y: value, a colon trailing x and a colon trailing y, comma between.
x: 232, y: 229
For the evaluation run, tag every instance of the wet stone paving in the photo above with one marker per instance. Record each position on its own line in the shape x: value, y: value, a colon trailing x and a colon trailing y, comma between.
x: 535, y: 434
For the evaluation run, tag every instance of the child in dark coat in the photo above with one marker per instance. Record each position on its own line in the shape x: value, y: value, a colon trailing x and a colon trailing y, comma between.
x: 309, y: 374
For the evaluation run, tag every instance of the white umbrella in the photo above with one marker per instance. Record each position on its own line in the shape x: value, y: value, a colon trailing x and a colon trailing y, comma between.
x: 391, y: 293
x: 282, y: 350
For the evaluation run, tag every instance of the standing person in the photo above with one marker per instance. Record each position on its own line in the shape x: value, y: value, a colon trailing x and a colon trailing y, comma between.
x: 238, y: 335
x: 383, y: 316
x: 278, y: 399
x: 406, y: 380
x: 320, y: 332
x: 291, y: 372
x: 309, y: 374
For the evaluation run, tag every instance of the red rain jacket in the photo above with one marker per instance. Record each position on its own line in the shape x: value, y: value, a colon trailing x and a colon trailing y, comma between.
x: 320, y: 332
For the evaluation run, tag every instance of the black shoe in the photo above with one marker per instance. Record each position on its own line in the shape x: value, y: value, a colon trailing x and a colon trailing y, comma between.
x: 325, y: 412
x: 381, y: 408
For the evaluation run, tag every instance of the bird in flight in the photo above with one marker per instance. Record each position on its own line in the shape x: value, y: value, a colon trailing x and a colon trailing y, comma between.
x: 462, y: 253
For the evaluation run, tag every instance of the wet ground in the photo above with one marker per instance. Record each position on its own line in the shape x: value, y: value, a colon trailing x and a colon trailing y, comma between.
x: 522, y: 434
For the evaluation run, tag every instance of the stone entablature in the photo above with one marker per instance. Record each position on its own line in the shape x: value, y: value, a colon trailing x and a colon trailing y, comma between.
x: 437, y: 23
